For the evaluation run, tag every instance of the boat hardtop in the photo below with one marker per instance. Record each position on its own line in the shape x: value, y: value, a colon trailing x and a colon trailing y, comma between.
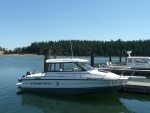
x: 136, y: 57
x: 66, y: 60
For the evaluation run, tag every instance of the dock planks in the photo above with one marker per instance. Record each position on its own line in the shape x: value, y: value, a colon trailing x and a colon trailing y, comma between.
x: 137, y: 87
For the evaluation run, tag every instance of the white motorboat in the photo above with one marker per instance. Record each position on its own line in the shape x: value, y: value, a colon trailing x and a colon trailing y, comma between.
x: 137, y: 62
x: 71, y: 76
x: 132, y: 62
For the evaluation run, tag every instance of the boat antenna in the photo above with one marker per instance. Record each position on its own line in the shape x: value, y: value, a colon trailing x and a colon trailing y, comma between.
x: 71, y: 49
x: 129, y: 53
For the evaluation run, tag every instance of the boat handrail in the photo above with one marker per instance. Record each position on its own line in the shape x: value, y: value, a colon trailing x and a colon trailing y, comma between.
x: 106, y: 73
x: 122, y: 72
x: 133, y: 72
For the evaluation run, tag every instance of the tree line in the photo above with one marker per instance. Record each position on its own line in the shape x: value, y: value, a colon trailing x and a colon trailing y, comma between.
x: 85, y: 47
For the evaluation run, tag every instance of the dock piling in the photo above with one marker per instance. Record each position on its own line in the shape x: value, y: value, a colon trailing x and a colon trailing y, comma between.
x: 110, y: 58
x: 46, y: 56
x: 120, y: 58
x: 92, y: 59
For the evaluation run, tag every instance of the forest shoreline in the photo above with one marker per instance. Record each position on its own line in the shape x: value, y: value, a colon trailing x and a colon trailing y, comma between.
x: 20, y: 55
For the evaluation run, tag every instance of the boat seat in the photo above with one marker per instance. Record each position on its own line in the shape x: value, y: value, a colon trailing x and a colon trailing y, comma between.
x: 107, y: 64
x: 110, y: 64
x: 75, y: 69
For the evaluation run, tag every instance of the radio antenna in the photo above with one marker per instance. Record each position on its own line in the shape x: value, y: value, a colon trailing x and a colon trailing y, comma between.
x: 71, y: 49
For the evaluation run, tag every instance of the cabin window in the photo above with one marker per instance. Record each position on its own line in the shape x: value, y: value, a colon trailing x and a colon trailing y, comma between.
x: 54, y: 67
x: 129, y: 60
x: 69, y: 66
x: 140, y: 61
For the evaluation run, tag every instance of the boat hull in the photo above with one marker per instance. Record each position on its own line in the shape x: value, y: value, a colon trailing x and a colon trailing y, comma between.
x: 100, y: 90
x: 73, y: 86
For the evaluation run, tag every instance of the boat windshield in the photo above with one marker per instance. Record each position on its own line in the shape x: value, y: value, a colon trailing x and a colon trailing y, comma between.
x: 84, y: 66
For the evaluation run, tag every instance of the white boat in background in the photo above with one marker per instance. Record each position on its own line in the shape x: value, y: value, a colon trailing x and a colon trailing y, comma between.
x: 71, y: 76
x: 132, y: 62
x: 137, y: 62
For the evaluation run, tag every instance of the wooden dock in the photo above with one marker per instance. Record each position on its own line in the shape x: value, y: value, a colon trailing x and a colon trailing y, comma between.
x: 132, y: 86
x: 137, y: 87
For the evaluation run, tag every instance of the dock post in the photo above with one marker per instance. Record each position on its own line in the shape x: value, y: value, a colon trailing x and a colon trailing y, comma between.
x: 110, y: 58
x: 110, y: 55
x: 92, y: 59
x: 55, y: 56
x: 120, y: 58
x: 46, y: 56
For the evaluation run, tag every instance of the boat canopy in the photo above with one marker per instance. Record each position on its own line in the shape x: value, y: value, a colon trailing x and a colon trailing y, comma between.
x: 65, y: 60
x: 138, y: 57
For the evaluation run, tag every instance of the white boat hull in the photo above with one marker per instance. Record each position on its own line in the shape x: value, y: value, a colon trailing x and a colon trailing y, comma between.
x: 73, y: 86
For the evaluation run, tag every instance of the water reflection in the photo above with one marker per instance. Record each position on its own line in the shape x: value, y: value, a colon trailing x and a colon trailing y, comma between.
x: 137, y: 103
x: 75, y: 103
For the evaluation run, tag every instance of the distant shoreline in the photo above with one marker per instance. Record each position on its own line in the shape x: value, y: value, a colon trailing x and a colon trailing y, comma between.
x: 20, y: 55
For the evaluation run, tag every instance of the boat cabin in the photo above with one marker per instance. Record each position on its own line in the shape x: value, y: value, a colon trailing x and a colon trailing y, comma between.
x: 138, y: 62
x: 67, y: 65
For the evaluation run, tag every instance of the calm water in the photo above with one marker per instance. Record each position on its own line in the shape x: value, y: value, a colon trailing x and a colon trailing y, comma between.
x: 11, y: 101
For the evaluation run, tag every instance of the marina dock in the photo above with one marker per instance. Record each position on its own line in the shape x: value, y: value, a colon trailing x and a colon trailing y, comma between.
x: 136, y: 87
x: 132, y: 86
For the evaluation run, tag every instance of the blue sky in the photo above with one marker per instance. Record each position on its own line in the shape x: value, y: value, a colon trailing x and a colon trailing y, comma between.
x: 25, y: 21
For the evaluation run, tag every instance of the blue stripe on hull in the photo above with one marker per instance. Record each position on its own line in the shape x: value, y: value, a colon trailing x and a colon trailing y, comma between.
x: 101, y: 90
